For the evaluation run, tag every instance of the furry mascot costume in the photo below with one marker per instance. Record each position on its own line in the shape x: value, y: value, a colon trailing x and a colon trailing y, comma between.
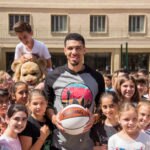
x: 31, y: 71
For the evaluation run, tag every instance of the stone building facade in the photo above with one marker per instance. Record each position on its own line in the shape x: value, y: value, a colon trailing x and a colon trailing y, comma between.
x: 105, y: 24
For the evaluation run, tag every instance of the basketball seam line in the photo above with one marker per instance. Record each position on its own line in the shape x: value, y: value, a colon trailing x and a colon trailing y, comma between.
x: 75, y: 128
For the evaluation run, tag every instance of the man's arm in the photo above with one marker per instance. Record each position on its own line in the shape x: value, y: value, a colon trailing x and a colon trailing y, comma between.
x: 54, y: 118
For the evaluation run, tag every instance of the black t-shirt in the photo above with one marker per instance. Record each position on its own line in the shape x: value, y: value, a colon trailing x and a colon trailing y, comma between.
x: 101, y: 132
x: 33, y: 130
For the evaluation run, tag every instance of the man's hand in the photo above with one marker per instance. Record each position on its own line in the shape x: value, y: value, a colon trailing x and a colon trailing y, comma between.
x: 56, y: 122
x: 90, y: 122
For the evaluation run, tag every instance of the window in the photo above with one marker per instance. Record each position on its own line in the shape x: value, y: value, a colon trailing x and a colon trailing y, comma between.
x: 58, y: 59
x: 9, y: 60
x: 97, y: 23
x: 136, y: 61
x: 58, y: 23
x: 137, y: 24
x: 99, y: 61
x: 13, y: 18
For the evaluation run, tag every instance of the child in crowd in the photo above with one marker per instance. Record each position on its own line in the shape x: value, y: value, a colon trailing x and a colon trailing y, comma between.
x: 37, y: 133
x: 108, y: 82
x: 144, y: 115
x: 19, y: 93
x: 4, y: 103
x: 5, y: 85
x: 16, y: 119
x: 108, y: 125
x: 143, y: 73
x: 142, y: 87
x: 126, y: 89
x: 130, y: 137
x: 29, y: 45
x: 5, y: 80
x: 118, y: 73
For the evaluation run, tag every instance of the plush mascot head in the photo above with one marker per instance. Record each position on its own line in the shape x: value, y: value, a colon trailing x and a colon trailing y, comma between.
x: 32, y: 71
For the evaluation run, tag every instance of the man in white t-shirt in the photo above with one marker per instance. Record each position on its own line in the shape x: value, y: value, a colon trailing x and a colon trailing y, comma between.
x: 28, y: 45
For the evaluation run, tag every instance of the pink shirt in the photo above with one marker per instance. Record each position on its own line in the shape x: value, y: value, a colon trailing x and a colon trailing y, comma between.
x: 9, y: 143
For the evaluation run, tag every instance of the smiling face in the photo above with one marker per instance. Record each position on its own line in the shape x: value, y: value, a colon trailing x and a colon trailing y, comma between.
x: 144, y: 116
x: 74, y: 51
x: 109, y: 108
x: 21, y: 94
x: 17, y: 122
x: 128, y: 90
x: 129, y: 121
x: 38, y: 105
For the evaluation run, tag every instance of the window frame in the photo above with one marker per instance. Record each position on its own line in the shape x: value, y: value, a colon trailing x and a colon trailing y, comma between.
x: 105, y: 24
x: 144, y: 25
x: 9, y: 15
x: 67, y: 24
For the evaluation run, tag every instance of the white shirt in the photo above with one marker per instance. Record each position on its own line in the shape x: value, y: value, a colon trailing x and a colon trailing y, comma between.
x: 38, y: 49
x: 142, y: 142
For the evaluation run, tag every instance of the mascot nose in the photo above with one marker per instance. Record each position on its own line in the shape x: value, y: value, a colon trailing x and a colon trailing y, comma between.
x: 29, y: 81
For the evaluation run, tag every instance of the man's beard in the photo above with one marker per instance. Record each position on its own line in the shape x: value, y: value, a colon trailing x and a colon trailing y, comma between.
x: 75, y: 63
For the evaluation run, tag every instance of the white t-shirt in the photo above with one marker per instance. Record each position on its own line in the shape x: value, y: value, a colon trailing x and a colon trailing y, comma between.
x: 8, y: 143
x: 38, y: 49
x: 142, y: 142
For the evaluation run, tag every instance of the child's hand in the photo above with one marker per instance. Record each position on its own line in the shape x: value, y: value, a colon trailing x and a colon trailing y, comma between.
x: 44, y: 132
x: 26, y: 57
x: 23, y: 59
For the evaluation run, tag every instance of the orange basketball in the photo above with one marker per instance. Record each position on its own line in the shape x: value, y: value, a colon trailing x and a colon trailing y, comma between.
x: 74, y: 118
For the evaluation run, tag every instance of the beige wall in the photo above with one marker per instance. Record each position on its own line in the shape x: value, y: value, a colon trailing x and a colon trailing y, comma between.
x: 78, y: 12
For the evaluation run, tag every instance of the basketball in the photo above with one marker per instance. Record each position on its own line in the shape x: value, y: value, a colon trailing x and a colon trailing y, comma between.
x: 74, y: 118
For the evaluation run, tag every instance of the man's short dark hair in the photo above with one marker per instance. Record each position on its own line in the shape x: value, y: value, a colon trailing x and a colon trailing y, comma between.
x: 74, y: 36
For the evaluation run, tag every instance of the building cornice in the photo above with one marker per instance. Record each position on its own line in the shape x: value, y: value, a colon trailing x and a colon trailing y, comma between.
x: 75, y: 5
x: 90, y: 43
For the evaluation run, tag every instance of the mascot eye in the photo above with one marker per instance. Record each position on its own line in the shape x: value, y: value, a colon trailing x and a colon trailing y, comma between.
x: 34, y: 73
x: 24, y: 74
